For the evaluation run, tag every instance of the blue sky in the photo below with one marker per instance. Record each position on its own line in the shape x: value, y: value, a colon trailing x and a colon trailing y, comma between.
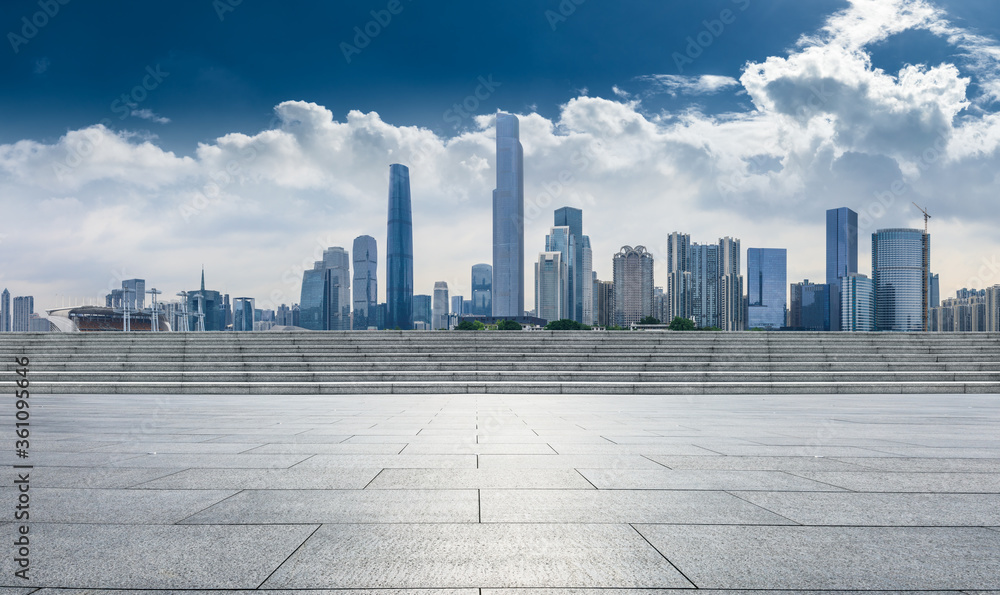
x: 255, y: 140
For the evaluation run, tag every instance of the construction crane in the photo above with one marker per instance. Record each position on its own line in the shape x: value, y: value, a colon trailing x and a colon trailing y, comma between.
x: 927, y: 217
x: 926, y: 266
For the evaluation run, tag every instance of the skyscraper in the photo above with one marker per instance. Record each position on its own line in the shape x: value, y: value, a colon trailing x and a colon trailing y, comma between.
x: 579, y: 265
x: 337, y: 282
x: 134, y: 294
x: 730, y: 286
x: 422, y: 311
x: 857, y: 303
x: 24, y: 307
x: 679, y: 279
x: 704, y: 262
x: 243, y: 309
x: 482, y: 290
x: 312, y: 300
x: 365, y: 282
x: 841, y: 255
x: 551, y: 280
x: 440, y: 320
x: 810, y: 306
x: 767, y: 274
x: 399, y: 251
x: 5, y: 312
x: 508, y: 220
x: 633, y: 275
x: 901, y: 278
x: 562, y: 240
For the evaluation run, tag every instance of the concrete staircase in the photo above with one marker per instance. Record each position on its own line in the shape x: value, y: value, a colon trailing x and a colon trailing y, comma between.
x: 505, y: 362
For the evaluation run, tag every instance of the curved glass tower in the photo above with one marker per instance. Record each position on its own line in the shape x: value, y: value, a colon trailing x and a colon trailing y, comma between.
x: 399, y: 251
x: 508, y: 220
x: 365, y: 282
x: 898, y: 276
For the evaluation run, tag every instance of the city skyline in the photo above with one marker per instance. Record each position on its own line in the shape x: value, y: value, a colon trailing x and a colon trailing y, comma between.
x: 701, y: 150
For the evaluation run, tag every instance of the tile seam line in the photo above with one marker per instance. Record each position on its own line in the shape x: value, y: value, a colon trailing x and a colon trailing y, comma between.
x: 194, y: 514
x: 793, y: 521
x: 289, y: 557
x: 657, y: 550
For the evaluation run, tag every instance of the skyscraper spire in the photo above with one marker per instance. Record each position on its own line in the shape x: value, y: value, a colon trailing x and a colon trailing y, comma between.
x: 203, y: 278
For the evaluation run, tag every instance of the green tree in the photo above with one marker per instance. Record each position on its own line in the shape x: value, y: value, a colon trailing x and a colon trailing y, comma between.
x: 649, y: 320
x: 470, y: 325
x: 565, y: 324
x: 508, y: 325
x: 681, y: 324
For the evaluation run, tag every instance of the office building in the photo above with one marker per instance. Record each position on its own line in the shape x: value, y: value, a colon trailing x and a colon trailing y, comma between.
x: 205, y: 309
x: 767, y: 287
x: 422, y: 311
x: 243, y: 314
x: 134, y: 294
x: 458, y: 303
x: 604, y: 297
x: 312, y: 300
x: 23, y: 308
x: 440, y: 319
x: 551, y: 286
x: 399, y: 251
x: 633, y: 280
x: 579, y: 265
x: 337, y: 280
x: 482, y: 290
x: 809, y: 308
x: 365, y: 282
x: 5, y: 312
x: 508, y: 220
x: 841, y: 255
x: 993, y: 309
x: 857, y: 304
x: 901, y: 275
x: 284, y: 316
x: 562, y: 240
x: 935, y: 298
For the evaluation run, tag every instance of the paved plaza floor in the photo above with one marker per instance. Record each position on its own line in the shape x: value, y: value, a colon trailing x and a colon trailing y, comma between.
x: 505, y: 495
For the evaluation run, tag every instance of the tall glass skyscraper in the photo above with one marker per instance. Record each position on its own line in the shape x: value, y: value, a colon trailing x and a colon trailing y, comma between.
x: 312, y: 300
x: 551, y: 280
x: 243, y: 308
x: 508, y: 220
x: 900, y: 278
x: 482, y: 290
x: 841, y: 255
x: 857, y: 304
x: 337, y: 278
x: 365, y: 282
x: 399, y: 251
x: 578, y: 267
x: 422, y: 309
x: 562, y: 240
x: 767, y: 284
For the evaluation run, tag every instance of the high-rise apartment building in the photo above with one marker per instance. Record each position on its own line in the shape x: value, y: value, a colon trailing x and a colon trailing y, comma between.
x: 365, y: 283
x: 551, y: 286
x: 767, y: 273
x: 482, y: 290
x: 24, y: 307
x: 679, y: 278
x: 901, y: 275
x: 399, y: 251
x: 704, y: 262
x: 604, y: 297
x: 633, y: 279
x: 730, y: 286
x: 508, y: 220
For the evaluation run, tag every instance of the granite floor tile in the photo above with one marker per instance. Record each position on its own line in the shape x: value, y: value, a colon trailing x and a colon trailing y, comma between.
x: 256, y: 507
x: 461, y: 479
x: 874, y: 481
x: 263, y: 479
x: 94, y: 477
x: 329, y: 449
x: 437, y: 556
x: 861, y: 509
x: 199, y: 448
x: 554, y: 461
x: 119, y: 506
x: 461, y: 447
x: 696, y: 479
x: 921, y: 465
x: 619, y: 506
x: 212, y: 461
x: 157, y: 556
x: 734, y: 463
x: 861, y: 558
